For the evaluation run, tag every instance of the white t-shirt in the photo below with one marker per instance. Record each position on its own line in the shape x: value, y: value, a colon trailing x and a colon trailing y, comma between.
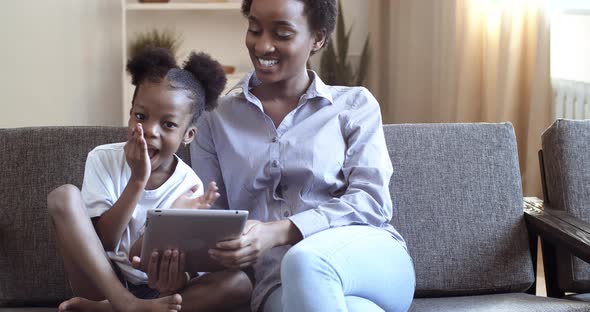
x: 105, y: 177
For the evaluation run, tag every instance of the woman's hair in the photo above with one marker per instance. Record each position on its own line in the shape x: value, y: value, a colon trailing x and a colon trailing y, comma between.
x: 201, y: 76
x: 321, y: 15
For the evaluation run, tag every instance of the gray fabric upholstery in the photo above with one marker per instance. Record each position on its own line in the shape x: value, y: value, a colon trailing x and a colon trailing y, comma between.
x: 27, y: 309
x: 578, y: 297
x: 566, y: 158
x: 516, y: 302
x: 457, y: 200
x: 455, y: 188
x: 35, y: 161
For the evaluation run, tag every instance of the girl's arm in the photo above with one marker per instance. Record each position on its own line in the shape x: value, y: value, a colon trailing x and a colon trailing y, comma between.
x: 111, y: 225
x: 135, y: 250
x: 186, y: 200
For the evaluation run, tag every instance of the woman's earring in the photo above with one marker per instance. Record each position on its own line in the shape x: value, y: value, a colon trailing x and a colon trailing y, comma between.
x: 184, y: 143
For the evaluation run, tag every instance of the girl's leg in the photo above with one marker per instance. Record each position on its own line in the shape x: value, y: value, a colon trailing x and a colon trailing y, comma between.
x: 86, y: 263
x: 360, y: 262
x: 217, y: 291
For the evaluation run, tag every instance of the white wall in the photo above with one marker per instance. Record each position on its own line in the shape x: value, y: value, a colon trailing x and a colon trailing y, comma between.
x: 570, y: 46
x: 61, y: 60
x: 355, y: 17
x: 60, y: 63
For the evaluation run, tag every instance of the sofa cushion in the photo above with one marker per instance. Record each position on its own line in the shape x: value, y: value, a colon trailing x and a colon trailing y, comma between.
x: 516, y: 302
x: 457, y: 200
x: 566, y: 159
x: 35, y: 161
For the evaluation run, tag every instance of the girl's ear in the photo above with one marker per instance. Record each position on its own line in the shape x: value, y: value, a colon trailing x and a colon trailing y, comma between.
x: 189, y: 135
x: 319, y: 39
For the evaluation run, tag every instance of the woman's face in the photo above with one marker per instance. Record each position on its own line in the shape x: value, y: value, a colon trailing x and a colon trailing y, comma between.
x: 279, y: 39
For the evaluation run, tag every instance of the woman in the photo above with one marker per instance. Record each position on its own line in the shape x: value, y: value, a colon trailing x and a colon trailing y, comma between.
x: 309, y: 162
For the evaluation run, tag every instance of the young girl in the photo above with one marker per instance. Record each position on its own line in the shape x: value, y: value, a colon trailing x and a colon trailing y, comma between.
x: 122, y: 180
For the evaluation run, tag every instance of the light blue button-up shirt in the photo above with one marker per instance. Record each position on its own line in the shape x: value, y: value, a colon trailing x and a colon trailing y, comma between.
x: 325, y: 166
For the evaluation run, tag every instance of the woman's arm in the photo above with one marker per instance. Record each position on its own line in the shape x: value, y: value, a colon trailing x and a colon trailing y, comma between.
x: 257, y: 236
x: 366, y: 169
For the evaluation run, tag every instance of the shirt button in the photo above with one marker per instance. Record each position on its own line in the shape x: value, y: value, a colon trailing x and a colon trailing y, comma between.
x: 286, y: 214
x: 275, y: 163
x: 274, y: 139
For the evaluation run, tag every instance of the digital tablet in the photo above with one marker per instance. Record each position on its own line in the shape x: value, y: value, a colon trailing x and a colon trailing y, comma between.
x: 192, y: 231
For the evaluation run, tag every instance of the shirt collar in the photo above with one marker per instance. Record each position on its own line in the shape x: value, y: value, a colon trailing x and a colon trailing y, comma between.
x: 317, y: 88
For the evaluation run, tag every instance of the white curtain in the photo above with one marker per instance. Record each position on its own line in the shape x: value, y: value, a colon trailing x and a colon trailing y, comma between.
x: 465, y: 61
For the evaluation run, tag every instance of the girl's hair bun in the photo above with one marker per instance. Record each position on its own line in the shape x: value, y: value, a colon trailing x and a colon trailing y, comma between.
x: 210, y: 74
x: 151, y: 63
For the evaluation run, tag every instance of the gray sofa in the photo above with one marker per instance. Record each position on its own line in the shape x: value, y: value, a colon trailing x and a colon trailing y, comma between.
x: 565, y: 168
x: 456, y: 194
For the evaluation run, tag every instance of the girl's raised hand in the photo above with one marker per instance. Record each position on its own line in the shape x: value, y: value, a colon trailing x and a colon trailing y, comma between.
x: 136, y: 154
x: 188, y: 200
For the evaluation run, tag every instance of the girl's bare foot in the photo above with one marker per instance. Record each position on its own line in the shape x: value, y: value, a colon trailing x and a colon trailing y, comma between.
x: 165, y: 304
x: 83, y: 304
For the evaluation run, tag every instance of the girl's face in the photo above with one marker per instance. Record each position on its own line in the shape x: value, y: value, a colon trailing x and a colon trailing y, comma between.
x: 279, y: 39
x: 165, y: 115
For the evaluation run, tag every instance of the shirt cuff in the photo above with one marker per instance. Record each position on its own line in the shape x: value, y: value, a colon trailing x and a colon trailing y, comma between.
x: 309, y: 222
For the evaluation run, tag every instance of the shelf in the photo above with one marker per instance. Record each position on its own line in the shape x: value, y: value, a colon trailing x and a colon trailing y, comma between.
x: 183, y: 6
x: 189, y: 15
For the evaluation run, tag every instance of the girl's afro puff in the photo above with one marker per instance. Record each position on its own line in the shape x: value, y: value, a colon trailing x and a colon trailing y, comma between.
x: 209, y: 73
x: 152, y: 64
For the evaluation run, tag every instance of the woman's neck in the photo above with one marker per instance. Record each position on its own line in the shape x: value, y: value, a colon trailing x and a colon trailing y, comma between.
x: 292, y: 88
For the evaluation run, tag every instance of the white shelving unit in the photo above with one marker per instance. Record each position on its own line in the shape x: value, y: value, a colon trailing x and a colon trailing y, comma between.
x: 215, y: 27
x: 173, y: 6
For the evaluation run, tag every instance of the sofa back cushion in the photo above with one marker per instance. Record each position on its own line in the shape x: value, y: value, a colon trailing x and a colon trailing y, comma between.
x: 457, y: 199
x: 566, y: 159
x: 34, y: 162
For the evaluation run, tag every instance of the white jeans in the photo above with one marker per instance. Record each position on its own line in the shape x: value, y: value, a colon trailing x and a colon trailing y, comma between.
x: 351, y: 268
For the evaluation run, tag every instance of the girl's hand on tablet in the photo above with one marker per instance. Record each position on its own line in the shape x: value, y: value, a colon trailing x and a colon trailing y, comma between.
x: 166, y: 271
x: 188, y: 199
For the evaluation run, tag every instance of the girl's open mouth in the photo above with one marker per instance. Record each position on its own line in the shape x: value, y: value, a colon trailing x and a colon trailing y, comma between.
x: 152, y: 152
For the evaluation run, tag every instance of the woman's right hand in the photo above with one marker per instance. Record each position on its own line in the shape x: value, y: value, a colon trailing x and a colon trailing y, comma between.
x: 136, y: 154
x: 256, y: 238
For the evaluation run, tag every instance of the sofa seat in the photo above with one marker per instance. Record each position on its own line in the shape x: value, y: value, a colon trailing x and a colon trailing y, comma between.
x: 511, y: 302
x: 28, y: 309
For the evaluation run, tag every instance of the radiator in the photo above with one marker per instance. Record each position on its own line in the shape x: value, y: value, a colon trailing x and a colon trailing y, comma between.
x: 571, y: 99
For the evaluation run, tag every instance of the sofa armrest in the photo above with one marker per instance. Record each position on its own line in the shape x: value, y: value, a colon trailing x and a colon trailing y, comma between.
x: 558, y: 228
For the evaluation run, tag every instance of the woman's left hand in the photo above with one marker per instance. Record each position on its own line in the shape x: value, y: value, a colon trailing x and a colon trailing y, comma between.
x: 256, y: 238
